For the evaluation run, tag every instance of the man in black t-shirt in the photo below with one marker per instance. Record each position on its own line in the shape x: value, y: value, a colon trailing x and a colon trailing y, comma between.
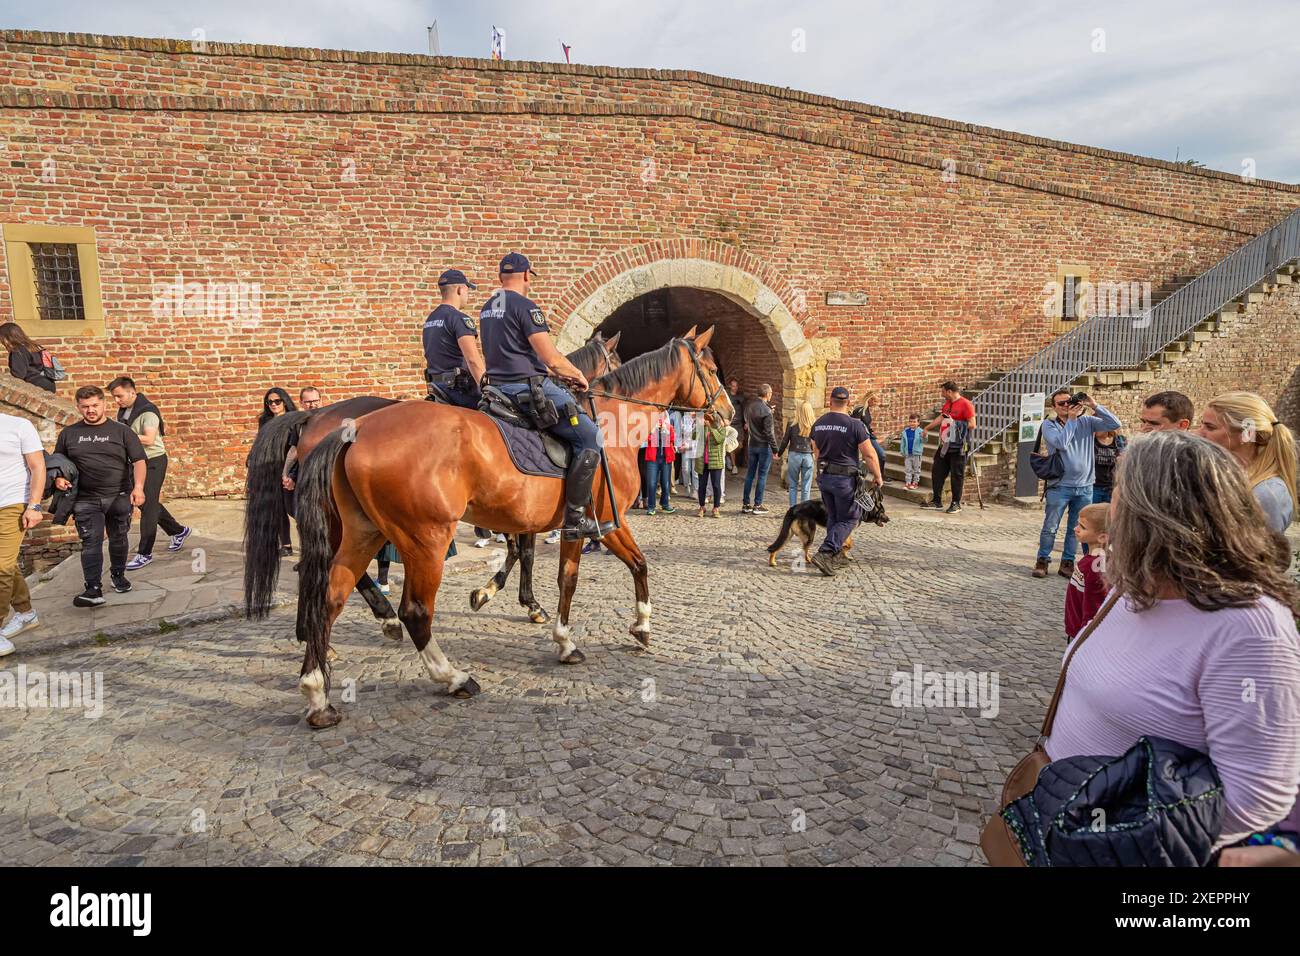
x: 453, y: 362
x: 839, y: 442
x: 111, y: 472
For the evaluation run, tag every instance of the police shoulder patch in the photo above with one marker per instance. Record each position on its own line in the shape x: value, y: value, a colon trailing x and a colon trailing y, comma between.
x: 469, y: 323
x: 539, y: 320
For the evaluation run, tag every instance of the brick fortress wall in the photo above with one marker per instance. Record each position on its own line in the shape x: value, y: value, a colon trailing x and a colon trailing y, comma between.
x: 340, y: 184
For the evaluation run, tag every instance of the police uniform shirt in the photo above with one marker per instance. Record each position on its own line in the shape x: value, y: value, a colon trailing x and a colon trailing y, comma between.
x: 443, y: 330
x: 838, y: 436
x: 507, y: 320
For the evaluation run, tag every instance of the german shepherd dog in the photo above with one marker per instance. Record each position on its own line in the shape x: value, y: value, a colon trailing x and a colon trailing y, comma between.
x: 805, y: 518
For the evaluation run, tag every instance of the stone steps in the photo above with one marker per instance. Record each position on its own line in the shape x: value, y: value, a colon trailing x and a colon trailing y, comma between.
x: 1130, y: 378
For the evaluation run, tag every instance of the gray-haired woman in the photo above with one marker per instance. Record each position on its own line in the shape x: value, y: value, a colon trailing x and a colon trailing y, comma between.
x: 1206, y: 610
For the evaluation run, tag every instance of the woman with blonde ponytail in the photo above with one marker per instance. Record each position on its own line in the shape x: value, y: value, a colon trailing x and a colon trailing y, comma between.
x: 1245, y: 425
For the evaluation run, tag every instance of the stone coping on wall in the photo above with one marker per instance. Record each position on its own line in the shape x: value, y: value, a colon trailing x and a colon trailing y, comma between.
x: 36, y: 401
x: 262, y: 51
x: 101, y: 102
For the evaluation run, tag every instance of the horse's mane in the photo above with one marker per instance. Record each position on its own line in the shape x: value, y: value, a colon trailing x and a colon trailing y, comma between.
x: 636, y: 373
x: 589, y: 357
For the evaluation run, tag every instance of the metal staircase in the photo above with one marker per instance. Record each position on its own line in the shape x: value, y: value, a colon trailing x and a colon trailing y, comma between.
x: 1122, y: 342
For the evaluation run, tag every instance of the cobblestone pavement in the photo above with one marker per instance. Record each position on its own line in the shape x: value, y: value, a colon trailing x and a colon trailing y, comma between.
x: 758, y: 729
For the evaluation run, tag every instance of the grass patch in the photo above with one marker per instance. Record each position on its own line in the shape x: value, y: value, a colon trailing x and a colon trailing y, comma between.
x: 166, y: 627
x: 101, y: 638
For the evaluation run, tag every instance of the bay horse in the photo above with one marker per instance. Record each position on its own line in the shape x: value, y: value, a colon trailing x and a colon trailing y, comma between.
x: 408, y: 473
x: 265, y: 466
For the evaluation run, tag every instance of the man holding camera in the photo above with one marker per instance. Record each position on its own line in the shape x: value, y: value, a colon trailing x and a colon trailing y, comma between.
x: 1071, y: 434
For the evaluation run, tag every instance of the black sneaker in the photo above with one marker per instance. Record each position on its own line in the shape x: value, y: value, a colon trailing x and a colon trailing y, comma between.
x: 931, y: 504
x: 822, y: 562
x: 91, y: 597
x: 120, y: 584
x: 954, y: 509
x: 746, y: 510
x: 760, y: 510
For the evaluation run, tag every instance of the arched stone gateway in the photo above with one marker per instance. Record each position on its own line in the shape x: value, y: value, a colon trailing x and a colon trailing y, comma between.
x: 802, y: 360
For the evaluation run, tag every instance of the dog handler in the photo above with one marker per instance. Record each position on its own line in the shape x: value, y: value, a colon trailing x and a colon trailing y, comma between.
x: 839, y: 443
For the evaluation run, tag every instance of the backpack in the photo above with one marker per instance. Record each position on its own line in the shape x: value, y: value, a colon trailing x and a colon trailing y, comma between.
x: 1048, y: 468
x: 51, y: 367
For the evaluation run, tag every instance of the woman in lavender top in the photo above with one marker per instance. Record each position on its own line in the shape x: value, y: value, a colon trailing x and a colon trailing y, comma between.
x: 1202, y: 647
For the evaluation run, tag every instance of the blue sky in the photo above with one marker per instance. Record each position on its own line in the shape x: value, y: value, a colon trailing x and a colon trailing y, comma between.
x: 1213, y: 81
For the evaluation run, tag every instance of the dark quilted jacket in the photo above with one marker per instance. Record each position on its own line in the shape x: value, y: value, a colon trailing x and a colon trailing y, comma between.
x: 1162, y: 805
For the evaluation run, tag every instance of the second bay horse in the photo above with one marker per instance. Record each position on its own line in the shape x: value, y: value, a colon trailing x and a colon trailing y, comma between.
x: 359, y: 489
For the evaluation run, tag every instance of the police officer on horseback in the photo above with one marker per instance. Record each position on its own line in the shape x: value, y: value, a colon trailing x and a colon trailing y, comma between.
x: 520, y: 358
x: 453, y: 362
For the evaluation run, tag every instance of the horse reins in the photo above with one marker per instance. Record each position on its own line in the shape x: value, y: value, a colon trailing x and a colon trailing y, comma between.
x: 696, y: 374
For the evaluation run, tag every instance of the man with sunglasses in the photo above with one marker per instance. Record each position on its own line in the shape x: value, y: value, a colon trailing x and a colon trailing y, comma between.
x: 1072, y: 434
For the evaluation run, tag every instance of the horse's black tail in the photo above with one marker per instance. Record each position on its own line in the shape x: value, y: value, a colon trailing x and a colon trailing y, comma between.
x: 784, y: 535
x: 262, y: 512
x: 315, y: 512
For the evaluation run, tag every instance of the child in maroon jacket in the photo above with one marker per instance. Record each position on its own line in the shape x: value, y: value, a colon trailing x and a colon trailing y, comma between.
x: 1087, y: 590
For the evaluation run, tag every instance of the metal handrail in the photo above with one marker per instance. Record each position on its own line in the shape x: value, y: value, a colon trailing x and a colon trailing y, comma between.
x: 1112, y: 341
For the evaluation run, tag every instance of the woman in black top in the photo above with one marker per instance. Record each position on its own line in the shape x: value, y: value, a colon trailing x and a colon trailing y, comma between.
x: 863, y: 414
x: 799, y: 466
x: 1106, y: 449
x: 24, y: 357
x: 275, y: 402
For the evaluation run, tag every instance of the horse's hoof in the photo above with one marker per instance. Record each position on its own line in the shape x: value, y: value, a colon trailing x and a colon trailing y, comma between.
x: 575, y: 656
x: 642, y: 637
x: 539, y: 616
x: 467, y: 689
x: 321, y: 719
x: 478, y: 597
x: 393, y: 629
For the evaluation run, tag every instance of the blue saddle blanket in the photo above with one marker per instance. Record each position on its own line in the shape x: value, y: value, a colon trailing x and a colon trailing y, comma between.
x: 528, y: 452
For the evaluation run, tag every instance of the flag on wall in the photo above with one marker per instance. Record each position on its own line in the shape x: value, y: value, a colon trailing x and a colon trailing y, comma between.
x: 498, y: 44
x: 566, y: 49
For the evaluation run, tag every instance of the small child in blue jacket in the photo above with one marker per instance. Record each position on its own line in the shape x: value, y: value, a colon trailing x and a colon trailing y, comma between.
x: 911, y: 443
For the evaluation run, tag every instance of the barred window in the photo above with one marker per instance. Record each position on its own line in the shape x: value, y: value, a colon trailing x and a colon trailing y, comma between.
x: 58, y: 281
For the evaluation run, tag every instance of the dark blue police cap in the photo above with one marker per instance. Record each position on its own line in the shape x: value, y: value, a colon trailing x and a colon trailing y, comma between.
x: 516, y: 263
x: 454, y: 277
x: 839, y: 393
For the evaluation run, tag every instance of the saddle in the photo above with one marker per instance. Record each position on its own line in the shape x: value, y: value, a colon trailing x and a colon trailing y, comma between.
x: 533, y: 452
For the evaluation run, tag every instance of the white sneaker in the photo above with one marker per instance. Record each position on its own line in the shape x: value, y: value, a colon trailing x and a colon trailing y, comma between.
x: 138, y: 562
x: 18, y: 623
x: 482, y: 542
x: 499, y: 538
x: 553, y: 537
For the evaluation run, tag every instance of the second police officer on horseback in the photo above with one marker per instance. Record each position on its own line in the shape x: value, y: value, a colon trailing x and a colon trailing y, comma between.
x: 520, y: 358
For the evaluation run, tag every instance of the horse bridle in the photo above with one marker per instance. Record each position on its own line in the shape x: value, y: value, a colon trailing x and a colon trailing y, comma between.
x: 697, y: 374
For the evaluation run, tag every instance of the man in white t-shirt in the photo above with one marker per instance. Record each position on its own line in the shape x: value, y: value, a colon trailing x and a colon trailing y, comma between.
x: 22, y: 483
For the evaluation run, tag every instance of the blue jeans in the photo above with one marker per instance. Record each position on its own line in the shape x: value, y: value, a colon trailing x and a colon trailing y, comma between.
x: 842, y: 513
x: 660, y: 477
x: 760, y: 460
x: 1060, y: 499
x: 799, y: 471
x: 880, y: 455
x: 580, y: 437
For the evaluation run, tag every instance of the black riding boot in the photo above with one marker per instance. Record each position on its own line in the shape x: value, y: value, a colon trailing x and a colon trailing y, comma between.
x: 577, y: 495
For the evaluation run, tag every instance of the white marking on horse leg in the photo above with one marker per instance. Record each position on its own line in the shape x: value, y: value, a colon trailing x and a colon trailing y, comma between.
x: 392, y: 627
x: 312, y: 685
x: 440, y: 669
x: 642, y: 625
x: 560, y: 635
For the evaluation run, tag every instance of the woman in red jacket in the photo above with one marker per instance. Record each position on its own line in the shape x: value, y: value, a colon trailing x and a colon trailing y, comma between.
x: 660, y: 453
